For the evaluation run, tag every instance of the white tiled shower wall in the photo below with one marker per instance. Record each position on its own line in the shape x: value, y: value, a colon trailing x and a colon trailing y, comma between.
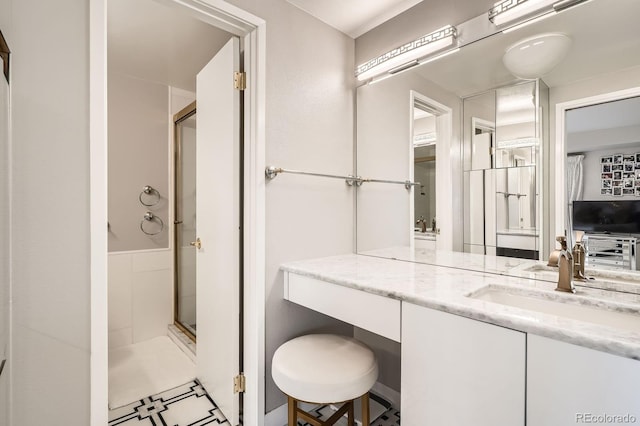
x: 140, y: 296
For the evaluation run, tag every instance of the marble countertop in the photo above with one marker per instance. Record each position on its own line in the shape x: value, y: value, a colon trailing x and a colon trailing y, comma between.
x: 628, y: 282
x: 428, y: 235
x: 444, y: 286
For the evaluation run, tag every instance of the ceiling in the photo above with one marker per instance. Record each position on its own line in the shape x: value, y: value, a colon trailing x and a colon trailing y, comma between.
x: 157, y: 43
x: 605, y: 34
x: 623, y: 113
x: 610, y: 125
x: 354, y: 17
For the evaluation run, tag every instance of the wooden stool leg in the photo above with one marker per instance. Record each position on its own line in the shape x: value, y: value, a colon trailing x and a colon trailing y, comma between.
x: 293, y: 411
x: 365, y: 409
x: 350, y: 414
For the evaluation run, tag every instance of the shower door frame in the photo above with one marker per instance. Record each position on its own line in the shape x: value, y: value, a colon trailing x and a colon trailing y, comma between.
x: 186, y: 112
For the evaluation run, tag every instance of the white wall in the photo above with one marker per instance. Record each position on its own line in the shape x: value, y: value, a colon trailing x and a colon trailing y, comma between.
x: 619, y: 80
x: 139, y: 144
x: 50, y: 212
x: 140, y: 296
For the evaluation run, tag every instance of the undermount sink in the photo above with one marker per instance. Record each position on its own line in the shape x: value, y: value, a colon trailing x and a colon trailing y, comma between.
x: 563, y: 305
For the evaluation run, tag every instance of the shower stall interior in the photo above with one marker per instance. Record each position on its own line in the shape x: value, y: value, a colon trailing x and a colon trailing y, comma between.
x: 185, y: 220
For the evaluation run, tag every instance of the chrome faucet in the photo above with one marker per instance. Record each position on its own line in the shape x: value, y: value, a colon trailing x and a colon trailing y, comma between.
x: 423, y: 224
x: 565, y: 267
x: 579, y: 255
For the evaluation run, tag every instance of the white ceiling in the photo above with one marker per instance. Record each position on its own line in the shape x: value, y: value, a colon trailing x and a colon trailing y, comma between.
x: 610, y: 125
x: 154, y: 42
x: 623, y: 113
x: 354, y: 17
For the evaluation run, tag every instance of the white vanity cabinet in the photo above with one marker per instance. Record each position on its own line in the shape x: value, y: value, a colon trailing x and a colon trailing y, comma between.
x: 567, y: 383
x: 458, y: 371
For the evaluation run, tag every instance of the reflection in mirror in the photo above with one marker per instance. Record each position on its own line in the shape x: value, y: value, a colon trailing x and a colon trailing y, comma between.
x: 501, y: 160
x: 424, y: 171
x: 603, y: 178
x: 503, y: 133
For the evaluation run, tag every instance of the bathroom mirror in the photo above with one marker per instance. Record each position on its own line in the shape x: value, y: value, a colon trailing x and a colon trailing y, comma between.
x: 483, y: 98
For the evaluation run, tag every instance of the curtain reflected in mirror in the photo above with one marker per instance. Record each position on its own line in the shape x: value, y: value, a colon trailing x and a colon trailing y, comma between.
x: 185, y: 221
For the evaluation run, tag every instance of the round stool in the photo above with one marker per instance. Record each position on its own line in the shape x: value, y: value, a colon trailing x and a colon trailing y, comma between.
x: 325, y: 369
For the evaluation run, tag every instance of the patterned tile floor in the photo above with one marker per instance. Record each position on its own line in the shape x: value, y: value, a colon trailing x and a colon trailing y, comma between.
x: 190, y: 405
x: 186, y: 405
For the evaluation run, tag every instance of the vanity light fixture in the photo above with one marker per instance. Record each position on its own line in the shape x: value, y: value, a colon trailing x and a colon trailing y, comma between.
x: 416, y: 63
x: 424, y: 139
x: 518, y: 143
x: 506, y: 11
x: 408, y: 55
x: 527, y: 23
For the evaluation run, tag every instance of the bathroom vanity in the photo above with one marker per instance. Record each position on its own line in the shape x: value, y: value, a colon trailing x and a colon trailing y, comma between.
x: 490, y: 344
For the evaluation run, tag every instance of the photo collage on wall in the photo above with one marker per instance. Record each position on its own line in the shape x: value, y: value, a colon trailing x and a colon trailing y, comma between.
x: 620, y: 175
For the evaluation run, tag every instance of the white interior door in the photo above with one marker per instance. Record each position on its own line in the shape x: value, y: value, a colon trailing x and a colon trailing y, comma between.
x: 218, y: 227
x: 4, y: 236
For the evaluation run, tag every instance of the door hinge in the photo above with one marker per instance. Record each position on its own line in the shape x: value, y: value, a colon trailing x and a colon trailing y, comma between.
x: 240, y: 80
x: 239, y: 383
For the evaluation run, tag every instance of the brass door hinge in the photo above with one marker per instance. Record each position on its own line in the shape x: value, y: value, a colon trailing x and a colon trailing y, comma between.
x: 240, y: 80
x: 239, y: 383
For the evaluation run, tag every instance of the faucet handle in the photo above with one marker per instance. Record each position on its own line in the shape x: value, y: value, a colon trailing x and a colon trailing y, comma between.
x: 562, y: 240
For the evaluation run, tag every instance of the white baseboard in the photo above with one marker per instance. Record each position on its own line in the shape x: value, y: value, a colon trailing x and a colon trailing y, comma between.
x: 278, y: 416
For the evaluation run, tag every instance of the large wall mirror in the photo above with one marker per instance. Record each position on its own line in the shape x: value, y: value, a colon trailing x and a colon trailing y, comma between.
x: 481, y: 142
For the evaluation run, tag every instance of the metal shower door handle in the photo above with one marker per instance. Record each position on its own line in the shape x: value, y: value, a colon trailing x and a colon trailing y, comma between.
x: 197, y: 243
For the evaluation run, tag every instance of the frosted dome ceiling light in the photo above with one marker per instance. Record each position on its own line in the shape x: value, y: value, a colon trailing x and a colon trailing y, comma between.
x: 536, y: 56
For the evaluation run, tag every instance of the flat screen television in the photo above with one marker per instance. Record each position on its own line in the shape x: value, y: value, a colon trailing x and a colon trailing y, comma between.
x: 612, y: 217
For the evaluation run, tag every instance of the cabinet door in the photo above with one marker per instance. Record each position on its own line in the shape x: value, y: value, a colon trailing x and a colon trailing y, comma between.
x: 457, y: 371
x: 566, y: 384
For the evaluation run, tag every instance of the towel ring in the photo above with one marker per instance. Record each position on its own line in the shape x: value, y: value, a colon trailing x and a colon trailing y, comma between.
x: 150, y: 217
x: 151, y: 192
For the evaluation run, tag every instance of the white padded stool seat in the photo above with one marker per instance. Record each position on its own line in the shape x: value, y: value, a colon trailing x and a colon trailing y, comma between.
x: 324, y: 368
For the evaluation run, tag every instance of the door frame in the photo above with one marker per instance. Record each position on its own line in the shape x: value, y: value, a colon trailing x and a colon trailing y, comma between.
x: 559, y: 185
x: 176, y: 178
x: 444, y: 177
x: 252, y: 32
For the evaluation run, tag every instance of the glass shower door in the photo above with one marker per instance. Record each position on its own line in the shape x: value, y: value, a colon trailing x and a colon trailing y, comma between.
x: 185, y: 220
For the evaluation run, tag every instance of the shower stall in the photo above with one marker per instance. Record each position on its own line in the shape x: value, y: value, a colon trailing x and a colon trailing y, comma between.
x: 184, y: 234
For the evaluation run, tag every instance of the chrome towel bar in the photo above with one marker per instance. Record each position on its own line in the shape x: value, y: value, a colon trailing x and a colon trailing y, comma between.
x: 271, y: 172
